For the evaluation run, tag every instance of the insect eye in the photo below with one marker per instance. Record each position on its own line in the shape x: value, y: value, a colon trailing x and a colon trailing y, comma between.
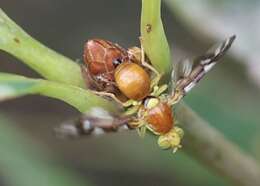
x: 117, y: 62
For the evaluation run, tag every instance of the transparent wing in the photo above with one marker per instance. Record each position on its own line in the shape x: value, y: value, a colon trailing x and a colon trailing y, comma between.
x: 215, y: 52
x: 194, y: 70
x: 181, y: 70
x: 96, y: 122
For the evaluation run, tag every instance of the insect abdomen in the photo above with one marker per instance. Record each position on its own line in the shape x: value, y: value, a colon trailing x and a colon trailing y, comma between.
x: 132, y: 80
x: 160, y: 118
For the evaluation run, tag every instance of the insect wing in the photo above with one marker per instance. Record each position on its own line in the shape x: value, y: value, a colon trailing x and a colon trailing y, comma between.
x: 201, y: 65
x: 214, y: 53
x: 99, y: 56
x: 182, y: 69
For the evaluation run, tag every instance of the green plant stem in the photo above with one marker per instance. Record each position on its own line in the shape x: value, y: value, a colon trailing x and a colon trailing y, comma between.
x: 13, y: 86
x: 79, y: 98
x: 153, y: 37
x: 46, y: 62
x: 210, y: 147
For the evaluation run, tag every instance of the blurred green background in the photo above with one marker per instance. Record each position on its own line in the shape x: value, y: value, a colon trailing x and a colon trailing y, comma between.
x: 228, y: 97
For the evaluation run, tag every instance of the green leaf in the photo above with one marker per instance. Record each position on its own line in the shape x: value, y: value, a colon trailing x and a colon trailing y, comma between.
x: 12, y: 86
x: 153, y: 37
x: 23, y: 164
x: 46, y: 62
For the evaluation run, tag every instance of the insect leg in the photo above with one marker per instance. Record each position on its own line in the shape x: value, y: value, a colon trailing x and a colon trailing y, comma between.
x: 157, y: 78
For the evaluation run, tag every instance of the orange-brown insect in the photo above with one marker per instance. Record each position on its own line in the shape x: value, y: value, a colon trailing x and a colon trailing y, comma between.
x: 152, y: 111
x: 132, y: 80
x: 110, y: 67
x: 160, y: 118
x: 99, y: 57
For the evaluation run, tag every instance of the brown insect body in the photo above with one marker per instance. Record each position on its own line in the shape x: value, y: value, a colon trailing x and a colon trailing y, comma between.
x: 132, y: 80
x: 102, y: 74
x: 99, y: 56
x: 160, y: 118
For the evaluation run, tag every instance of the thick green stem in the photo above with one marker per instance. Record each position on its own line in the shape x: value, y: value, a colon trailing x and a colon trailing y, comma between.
x: 210, y: 147
x: 46, y: 62
x: 79, y: 98
x: 13, y: 86
x: 153, y: 37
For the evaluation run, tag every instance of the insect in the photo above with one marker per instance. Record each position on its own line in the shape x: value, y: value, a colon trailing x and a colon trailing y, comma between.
x: 112, y: 69
x: 99, y: 56
x: 154, y: 111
